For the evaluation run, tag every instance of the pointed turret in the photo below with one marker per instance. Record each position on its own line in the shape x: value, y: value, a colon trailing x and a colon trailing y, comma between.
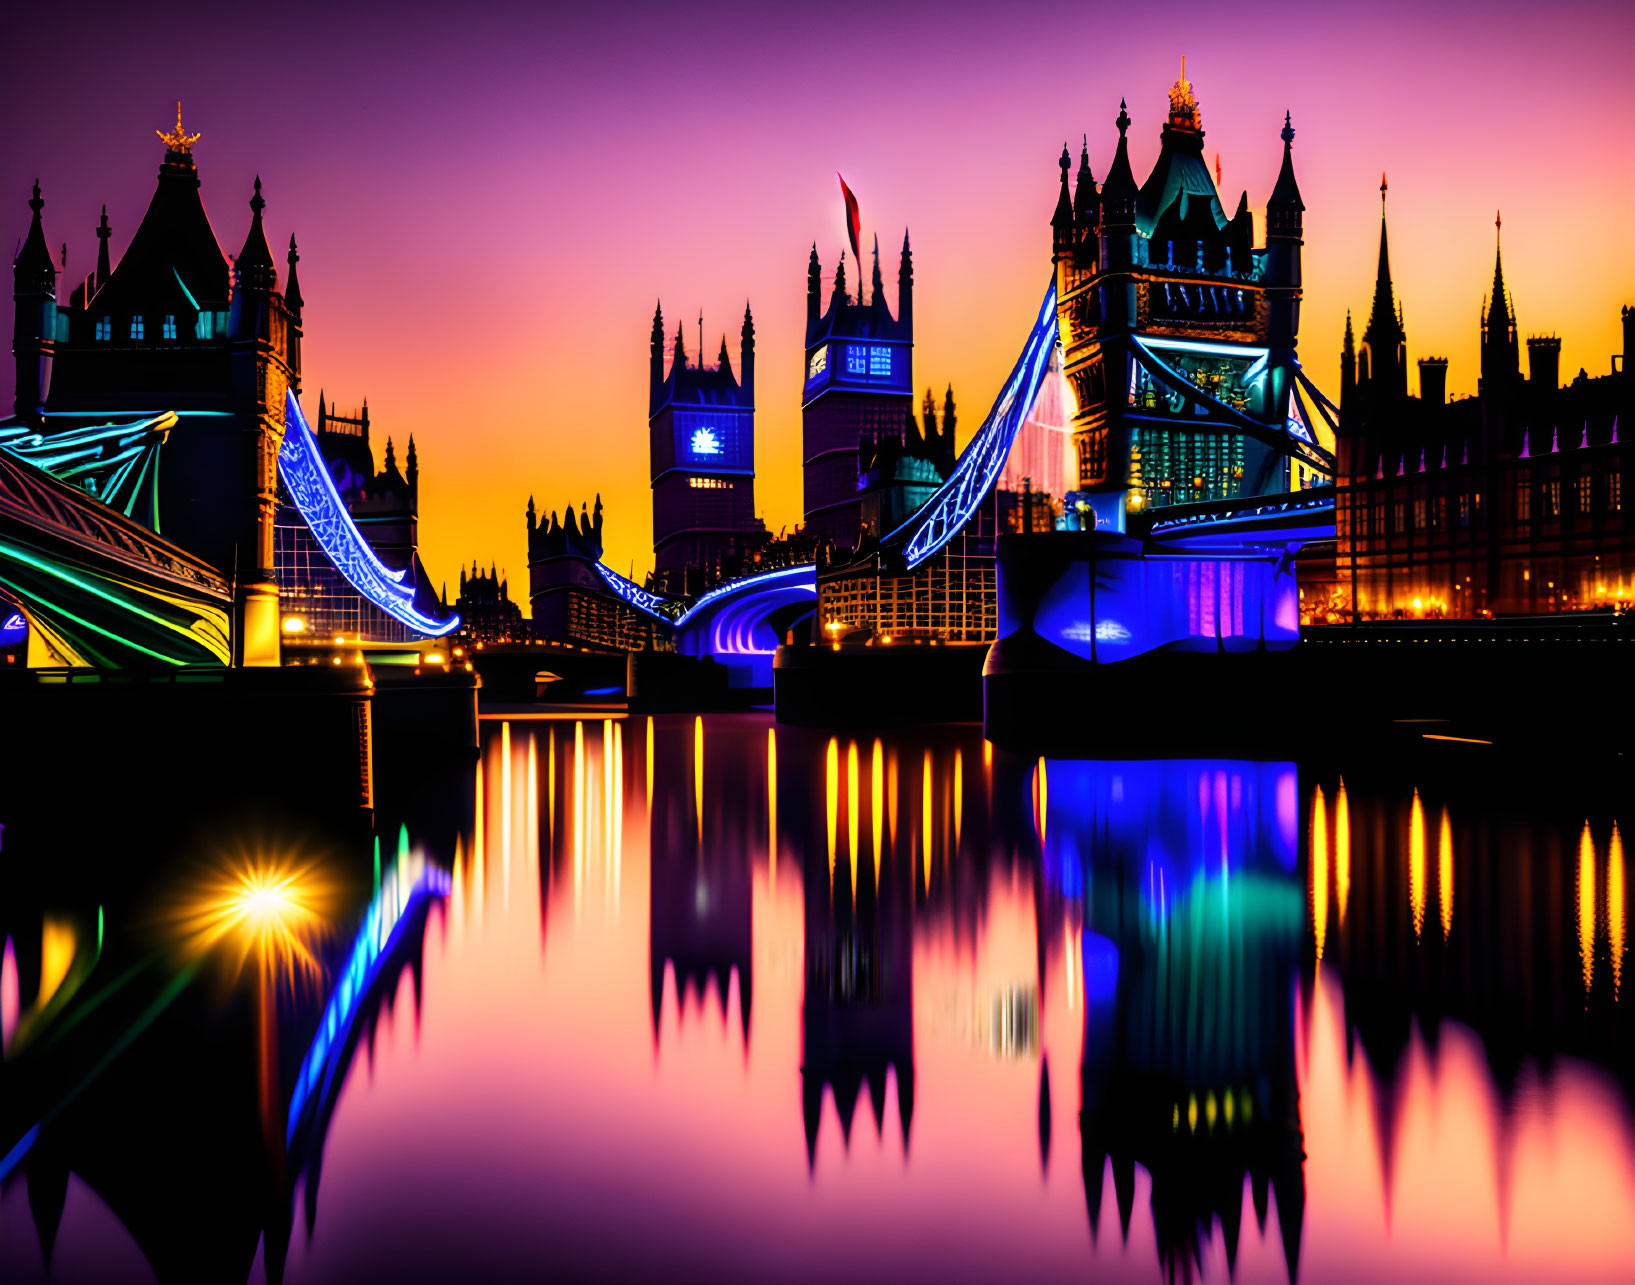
x: 1383, y: 368
x: 1284, y: 207
x: 533, y: 520
x: 928, y: 413
x: 723, y: 362
x: 840, y: 281
x: 412, y: 474
x: 391, y: 459
x: 746, y: 356
x: 1061, y: 221
x: 104, y: 271
x: 1348, y: 367
x: 679, y: 362
x: 949, y: 419
x: 877, y: 282
x: 255, y: 277
x: 905, y: 289
x: 814, y: 288
x: 1118, y: 193
x: 34, y: 328
x: 1118, y: 249
x: 1501, y: 355
x: 292, y: 287
x: 655, y: 363
x: 1086, y: 200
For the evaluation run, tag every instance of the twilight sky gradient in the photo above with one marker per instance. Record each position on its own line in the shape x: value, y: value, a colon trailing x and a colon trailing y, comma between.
x: 488, y: 199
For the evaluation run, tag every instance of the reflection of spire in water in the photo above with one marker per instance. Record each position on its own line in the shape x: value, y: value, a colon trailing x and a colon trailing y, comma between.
x: 1444, y: 874
x: 831, y: 793
x: 1416, y: 864
x: 1342, y: 850
x: 959, y: 795
x: 1615, y: 907
x: 1319, y: 870
x: 550, y: 784
x: 877, y: 797
x: 891, y: 798
x: 1586, y: 904
x: 649, y: 766
x: 479, y: 848
x: 772, y: 806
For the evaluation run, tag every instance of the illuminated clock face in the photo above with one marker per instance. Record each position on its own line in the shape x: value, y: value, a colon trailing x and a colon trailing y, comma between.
x: 705, y: 442
x: 819, y: 362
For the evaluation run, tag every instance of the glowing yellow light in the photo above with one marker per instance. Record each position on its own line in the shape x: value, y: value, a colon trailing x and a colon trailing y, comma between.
x: 1615, y: 907
x: 925, y: 815
x: 1319, y: 871
x: 1416, y: 864
x: 851, y: 812
x: 272, y: 907
x: 1444, y: 873
x: 1586, y: 904
x: 294, y: 624
x: 340, y: 638
x: 431, y: 658
x: 877, y: 810
x: 831, y: 793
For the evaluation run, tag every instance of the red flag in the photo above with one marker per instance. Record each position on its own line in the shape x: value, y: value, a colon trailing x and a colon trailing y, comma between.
x: 854, y: 220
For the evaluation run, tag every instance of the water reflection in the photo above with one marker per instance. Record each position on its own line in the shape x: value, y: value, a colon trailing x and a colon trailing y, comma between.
x: 1106, y: 1016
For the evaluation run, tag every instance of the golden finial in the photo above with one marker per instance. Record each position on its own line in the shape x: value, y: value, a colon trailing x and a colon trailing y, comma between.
x: 1183, y: 103
x: 178, y: 140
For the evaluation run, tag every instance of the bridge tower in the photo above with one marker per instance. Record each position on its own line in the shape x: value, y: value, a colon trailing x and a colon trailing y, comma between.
x: 701, y: 435
x: 1178, y: 333
x: 858, y: 389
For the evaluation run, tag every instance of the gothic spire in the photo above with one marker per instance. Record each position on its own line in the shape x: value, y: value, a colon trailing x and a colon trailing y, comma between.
x: 1084, y: 190
x: 1384, y: 330
x: 814, y: 287
x: 680, y: 362
x: 1119, y: 192
x: 1499, y: 320
x: 292, y: 289
x: 104, y: 269
x: 878, y: 283
x: 1286, y: 192
x: 905, y: 288
x: 1062, y: 220
x: 33, y: 265
x: 254, y: 268
x: 840, y: 279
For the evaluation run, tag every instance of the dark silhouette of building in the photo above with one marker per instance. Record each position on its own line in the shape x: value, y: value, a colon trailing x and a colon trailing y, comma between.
x: 701, y: 431
x: 568, y: 598
x: 858, y: 389
x: 486, y: 611
x: 1508, y: 502
x: 173, y: 326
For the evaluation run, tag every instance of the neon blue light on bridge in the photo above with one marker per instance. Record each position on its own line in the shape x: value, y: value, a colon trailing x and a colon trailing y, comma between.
x: 306, y: 475
x: 639, y: 598
x: 805, y: 574
x: 957, y: 500
x: 409, y: 879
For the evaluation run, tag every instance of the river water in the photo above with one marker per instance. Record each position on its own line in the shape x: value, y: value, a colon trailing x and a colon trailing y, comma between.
x: 708, y: 999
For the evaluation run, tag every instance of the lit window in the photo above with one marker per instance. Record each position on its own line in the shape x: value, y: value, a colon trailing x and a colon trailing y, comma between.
x: 170, y: 327
x: 880, y: 361
x: 709, y: 483
x: 1464, y: 510
x: 857, y: 359
x: 1615, y: 492
x: 136, y: 327
x: 1419, y: 512
x: 1583, y: 487
x: 705, y: 442
x: 1524, y: 500
x: 105, y: 328
x: 1398, y: 520
x: 202, y: 328
x: 1552, y: 498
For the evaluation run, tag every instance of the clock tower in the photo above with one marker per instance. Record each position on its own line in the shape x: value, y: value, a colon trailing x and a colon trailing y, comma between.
x: 701, y: 435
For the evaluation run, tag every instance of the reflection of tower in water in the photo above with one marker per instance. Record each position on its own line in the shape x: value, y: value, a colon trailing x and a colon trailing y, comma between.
x: 1193, y: 916
x: 858, y: 1010
x: 702, y: 862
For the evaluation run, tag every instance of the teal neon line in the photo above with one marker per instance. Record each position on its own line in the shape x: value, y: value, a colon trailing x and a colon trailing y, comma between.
x: 185, y: 290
